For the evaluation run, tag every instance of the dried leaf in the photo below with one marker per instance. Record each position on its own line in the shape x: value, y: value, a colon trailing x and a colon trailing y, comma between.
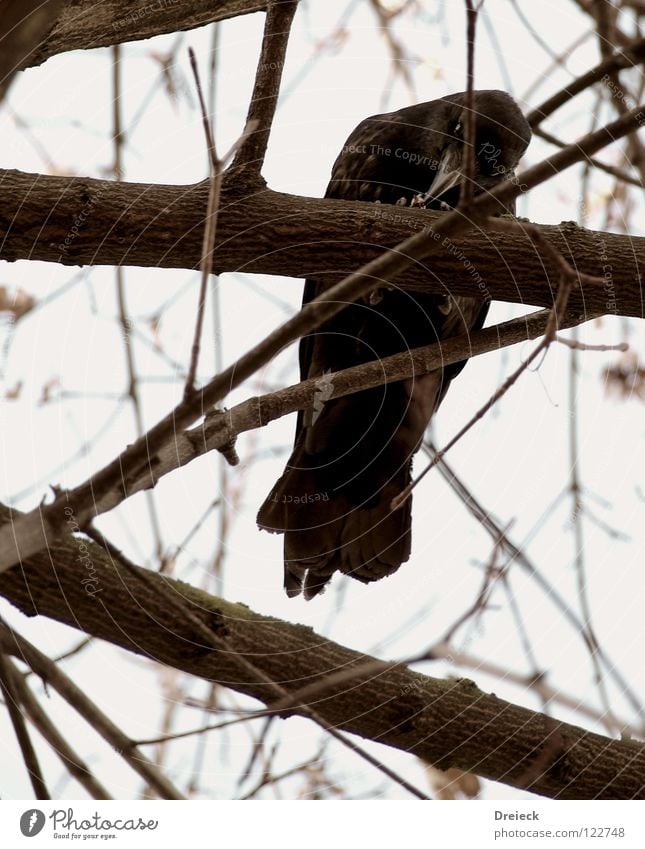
x: 626, y: 377
x: 17, y: 304
x: 14, y: 393
x: 452, y: 783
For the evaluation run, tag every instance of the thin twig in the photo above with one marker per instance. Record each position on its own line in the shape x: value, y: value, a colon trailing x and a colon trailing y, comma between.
x: 467, y: 188
x: 584, y: 346
x: 517, y: 555
x: 579, y: 548
x: 45, y: 668
x: 568, y: 276
x: 210, y: 228
x: 21, y: 731
x: 268, y: 779
x: 601, y: 166
x: 629, y: 56
x: 124, y: 320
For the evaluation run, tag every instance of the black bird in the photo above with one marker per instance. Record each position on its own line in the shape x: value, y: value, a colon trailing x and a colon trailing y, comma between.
x: 352, y: 455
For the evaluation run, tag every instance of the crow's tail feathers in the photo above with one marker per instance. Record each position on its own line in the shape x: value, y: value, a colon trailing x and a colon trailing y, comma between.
x: 326, y: 531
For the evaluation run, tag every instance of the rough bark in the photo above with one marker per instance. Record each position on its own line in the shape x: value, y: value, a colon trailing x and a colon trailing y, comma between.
x: 84, y: 24
x: 79, y: 221
x: 446, y: 722
x: 23, y: 25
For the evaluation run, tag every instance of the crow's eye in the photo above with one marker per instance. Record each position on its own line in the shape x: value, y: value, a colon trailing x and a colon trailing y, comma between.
x: 457, y: 130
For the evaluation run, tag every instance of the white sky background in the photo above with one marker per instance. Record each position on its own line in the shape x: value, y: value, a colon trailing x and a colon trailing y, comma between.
x: 516, y: 460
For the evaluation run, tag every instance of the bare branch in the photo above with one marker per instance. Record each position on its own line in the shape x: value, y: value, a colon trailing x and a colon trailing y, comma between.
x: 467, y: 189
x: 448, y: 723
x: 21, y: 731
x: 23, y: 26
x: 631, y: 55
x: 222, y: 427
x: 13, y: 643
x: 266, y: 88
x: 72, y: 762
x: 86, y: 24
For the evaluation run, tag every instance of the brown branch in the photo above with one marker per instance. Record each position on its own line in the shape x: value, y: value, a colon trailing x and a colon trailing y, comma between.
x: 86, y: 24
x: 273, y: 233
x: 266, y: 88
x: 223, y: 427
x: 631, y: 55
x: 23, y: 26
x: 12, y: 703
x: 601, y: 166
x: 72, y: 762
x: 448, y: 723
x: 538, y: 683
x: 49, y: 671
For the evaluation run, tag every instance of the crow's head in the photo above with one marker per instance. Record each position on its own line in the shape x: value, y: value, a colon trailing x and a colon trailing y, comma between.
x: 501, y: 137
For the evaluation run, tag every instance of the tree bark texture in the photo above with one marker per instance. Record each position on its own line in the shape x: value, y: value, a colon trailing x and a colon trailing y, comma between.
x: 445, y: 722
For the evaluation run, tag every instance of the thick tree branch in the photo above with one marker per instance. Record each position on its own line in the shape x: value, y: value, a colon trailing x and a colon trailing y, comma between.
x: 84, y: 24
x: 447, y: 723
x: 97, y: 222
x: 23, y: 25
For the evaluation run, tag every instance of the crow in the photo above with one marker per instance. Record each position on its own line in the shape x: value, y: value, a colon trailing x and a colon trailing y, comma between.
x: 353, y: 454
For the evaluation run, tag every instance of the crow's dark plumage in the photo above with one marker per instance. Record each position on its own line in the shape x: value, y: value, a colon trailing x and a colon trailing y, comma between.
x: 353, y: 454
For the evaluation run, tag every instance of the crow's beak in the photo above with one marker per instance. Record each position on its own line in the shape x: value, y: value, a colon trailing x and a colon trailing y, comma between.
x: 447, y: 176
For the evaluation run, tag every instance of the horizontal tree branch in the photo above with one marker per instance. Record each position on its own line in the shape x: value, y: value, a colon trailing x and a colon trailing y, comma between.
x: 78, y: 221
x: 85, y: 24
x: 449, y: 723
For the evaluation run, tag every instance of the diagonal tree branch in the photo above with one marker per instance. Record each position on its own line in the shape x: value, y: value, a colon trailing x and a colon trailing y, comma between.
x: 86, y: 24
x: 266, y: 89
x: 21, y: 731
x: 447, y: 723
x: 23, y: 25
x: 50, y: 672
x: 72, y: 762
x: 221, y: 428
x: 632, y: 54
